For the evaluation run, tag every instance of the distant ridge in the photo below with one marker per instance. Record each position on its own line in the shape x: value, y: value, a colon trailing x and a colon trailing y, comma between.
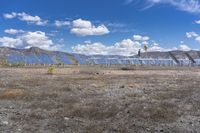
x: 35, y: 55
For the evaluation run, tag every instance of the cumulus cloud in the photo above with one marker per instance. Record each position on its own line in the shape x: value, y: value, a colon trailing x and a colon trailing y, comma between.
x: 30, y: 39
x: 82, y: 27
x: 197, y: 21
x: 184, y: 47
x: 155, y: 47
x: 140, y: 38
x: 61, y: 23
x: 193, y: 35
x: 10, y: 15
x: 26, y: 17
x: 10, y: 42
x: 13, y: 31
x: 125, y: 47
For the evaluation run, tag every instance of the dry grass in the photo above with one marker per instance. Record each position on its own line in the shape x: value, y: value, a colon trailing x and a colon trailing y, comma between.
x: 51, y: 70
x: 134, y: 95
x: 134, y: 85
x: 94, y: 111
x: 12, y: 93
x: 100, y: 100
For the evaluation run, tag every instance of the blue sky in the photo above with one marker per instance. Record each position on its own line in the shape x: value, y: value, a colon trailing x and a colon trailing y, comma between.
x: 100, y: 26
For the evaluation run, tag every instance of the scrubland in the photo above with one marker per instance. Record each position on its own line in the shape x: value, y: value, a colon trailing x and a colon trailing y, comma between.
x: 97, y: 99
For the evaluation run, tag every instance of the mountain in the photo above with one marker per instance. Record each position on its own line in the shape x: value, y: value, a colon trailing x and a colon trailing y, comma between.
x: 36, y: 55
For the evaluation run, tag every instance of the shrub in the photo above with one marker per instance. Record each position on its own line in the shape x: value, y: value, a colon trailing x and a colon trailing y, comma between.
x: 51, y: 70
x: 4, y: 62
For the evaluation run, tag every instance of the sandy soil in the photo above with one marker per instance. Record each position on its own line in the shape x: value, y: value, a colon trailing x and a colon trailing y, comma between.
x: 100, y: 100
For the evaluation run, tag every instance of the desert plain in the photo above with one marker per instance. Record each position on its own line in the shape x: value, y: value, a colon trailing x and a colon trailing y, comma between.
x: 100, y: 99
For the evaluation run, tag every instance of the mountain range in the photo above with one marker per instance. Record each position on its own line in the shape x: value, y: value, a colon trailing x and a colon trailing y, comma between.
x: 36, y: 55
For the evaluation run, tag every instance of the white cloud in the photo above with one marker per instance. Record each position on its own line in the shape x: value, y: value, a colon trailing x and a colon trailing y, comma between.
x: 197, y: 21
x: 79, y: 23
x: 13, y: 31
x: 88, y: 41
x: 32, y: 19
x: 140, y: 38
x: 126, y: 47
x: 86, y: 28
x: 145, y: 43
x: 156, y: 47
x: 37, y: 38
x: 9, y: 15
x: 30, y: 39
x: 197, y: 39
x: 61, y: 23
x: 10, y: 42
x: 27, y: 18
x: 191, y: 34
x: 191, y: 6
x: 184, y: 47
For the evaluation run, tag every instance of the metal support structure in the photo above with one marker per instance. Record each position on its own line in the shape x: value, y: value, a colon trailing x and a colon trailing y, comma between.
x: 190, y: 58
x: 143, y: 61
x: 174, y: 58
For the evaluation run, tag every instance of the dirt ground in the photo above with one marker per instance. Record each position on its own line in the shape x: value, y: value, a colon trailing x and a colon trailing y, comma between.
x: 100, y: 100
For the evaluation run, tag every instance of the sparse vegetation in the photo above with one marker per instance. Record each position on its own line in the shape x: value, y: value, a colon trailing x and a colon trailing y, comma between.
x: 101, y: 99
x: 12, y: 93
x: 51, y: 70
x: 18, y: 64
x: 4, y: 62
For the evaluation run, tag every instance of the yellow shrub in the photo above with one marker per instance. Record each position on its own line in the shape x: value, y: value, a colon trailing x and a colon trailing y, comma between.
x: 51, y: 70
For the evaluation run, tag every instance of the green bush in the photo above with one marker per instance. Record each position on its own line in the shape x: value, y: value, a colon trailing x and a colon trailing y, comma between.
x: 51, y: 70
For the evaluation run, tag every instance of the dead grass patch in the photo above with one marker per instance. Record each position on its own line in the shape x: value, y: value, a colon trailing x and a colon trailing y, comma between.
x: 134, y: 95
x: 133, y: 85
x: 12, y: 93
